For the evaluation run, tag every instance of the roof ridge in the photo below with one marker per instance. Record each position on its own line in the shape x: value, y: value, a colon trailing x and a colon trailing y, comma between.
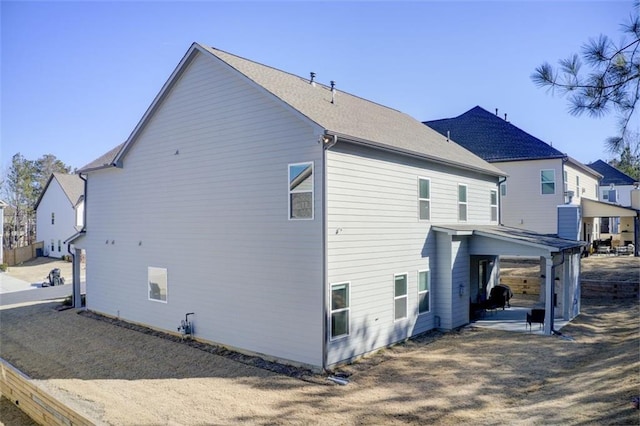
x: 324, y: 86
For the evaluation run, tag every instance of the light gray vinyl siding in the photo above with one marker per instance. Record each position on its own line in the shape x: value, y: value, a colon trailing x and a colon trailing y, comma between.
x: 460, y: 277
x: 203, y: 193
x: 374, y: 232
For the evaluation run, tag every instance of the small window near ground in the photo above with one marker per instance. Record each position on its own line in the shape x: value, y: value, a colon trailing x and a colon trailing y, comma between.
x: 494, y: 205
x: 424, y: 291
x: 339, y: 310
x: 157, y: 278
x: 462, y: 203
x: 400, y: 296
x: 301, y: 191
x: 424, y: 198
x: 59, y: 246
x: 52, y: 246
x: 548, y: 182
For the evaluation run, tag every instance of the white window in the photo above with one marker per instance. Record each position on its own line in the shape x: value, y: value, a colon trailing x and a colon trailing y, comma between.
x: 462, y: 202
x: 59, y: 246
x: 503, y: 189
x: 339, y: 310
x: 52, y: 246
x: 548, y: 181
x: 424, y: 198
x: 577, y: 186
x: 565, y: 178
x: 494, y: 205
x: 53, y: 218
x: 400, y: 296
x: 157, y: 280
x: 301, y: 191
x: 424, y: 291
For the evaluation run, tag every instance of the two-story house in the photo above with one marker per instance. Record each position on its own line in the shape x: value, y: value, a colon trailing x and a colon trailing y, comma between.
x: 540, y: 178
x: 294, y: 220
x: 59, y: 212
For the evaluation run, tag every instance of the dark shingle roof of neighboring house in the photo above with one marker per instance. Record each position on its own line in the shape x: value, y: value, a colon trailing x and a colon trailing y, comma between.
x: 611, y: 175
x: 493, y: 138
x: 349, y: 117
x: 72, y: 186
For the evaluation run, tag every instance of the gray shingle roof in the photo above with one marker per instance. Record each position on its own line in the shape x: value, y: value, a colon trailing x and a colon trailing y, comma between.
x: 611, y: 175
x: 549, y: 242
x: 493, y: 138
x: 105, y: 159
x: 349, y: 117
x: 354, y: 117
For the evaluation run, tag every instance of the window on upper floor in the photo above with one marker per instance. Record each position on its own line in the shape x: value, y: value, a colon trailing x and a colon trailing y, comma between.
x: 548, y: 181
x: 462, y: 202
x: 493, y: 199
x: 503, y: 189
x: 565, y: 179
x: 577, y: 186
x: 424, y: 291
x: 301, y: 191
x: 424, y: 198
x: 400, y: 298
x: 339, y: 310
x: 158, y: 284
x: 53, y: 218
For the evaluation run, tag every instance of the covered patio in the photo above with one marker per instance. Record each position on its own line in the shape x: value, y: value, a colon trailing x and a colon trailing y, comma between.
x: 559, y: 272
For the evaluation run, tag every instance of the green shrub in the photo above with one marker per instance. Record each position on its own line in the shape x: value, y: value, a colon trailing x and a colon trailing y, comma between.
x: 4, y: 267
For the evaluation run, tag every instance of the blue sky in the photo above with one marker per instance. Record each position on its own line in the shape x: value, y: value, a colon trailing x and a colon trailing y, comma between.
x: 76, y: 77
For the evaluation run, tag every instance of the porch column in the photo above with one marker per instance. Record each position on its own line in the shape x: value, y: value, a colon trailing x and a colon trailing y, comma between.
x: 548, y: 300
x: 567, y: 285
x: 77, y: 260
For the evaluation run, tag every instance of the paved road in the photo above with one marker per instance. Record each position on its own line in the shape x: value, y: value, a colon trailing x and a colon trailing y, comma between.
x: 13, y: 290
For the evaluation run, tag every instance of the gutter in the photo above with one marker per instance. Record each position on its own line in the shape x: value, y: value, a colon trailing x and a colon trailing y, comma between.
x: 414, y: 154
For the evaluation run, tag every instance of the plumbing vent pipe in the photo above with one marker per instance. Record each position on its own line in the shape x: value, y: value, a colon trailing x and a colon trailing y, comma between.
x: 333, y: 92
x: 313, y: 76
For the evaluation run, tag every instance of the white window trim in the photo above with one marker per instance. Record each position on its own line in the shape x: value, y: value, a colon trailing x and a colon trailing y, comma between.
x: 466, y: 203
x: 167, y: 289
x: 424, y: 199
x: 554, y: 181
x: 313, y: 191
x: 347, y: 309
x: 406, y: 297
x: 492, y: 206
x: 425, y: 291
x: 503, y: 189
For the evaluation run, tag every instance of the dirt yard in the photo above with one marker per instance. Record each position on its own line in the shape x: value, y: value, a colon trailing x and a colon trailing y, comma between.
x: 119, y: 376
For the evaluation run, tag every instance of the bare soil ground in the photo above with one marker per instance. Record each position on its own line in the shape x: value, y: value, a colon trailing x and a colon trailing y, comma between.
x: 120, y: 376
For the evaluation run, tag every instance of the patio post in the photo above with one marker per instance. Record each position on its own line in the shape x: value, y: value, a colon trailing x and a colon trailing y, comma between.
x: 548, y: 291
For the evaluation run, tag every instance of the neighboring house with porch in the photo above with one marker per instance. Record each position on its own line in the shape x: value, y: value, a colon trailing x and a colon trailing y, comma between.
x: 296, y: 221
x: 59, y: 212
x: 616, y: 188
x: 540, y: 178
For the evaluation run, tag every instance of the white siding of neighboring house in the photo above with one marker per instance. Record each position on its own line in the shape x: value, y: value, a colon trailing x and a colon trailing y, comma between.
x: 525, y: 206
x: 590, y: 228
x: 55, y: 201
x: 588, y: 183
x: 623, y: 193
x: 203, y: 193
x: 373, y: 232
